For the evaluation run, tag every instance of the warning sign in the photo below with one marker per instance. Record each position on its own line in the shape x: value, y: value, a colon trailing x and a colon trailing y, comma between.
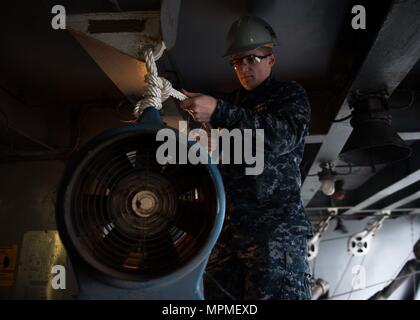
x: 7, y: 264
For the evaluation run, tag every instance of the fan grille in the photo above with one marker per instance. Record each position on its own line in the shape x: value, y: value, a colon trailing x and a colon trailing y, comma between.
x: 133, y: 218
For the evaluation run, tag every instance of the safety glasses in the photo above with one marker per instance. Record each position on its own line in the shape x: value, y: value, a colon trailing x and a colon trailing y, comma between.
x: 248, y: 60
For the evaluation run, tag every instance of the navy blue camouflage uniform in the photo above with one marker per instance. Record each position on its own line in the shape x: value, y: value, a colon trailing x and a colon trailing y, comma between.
x: 262, y: 250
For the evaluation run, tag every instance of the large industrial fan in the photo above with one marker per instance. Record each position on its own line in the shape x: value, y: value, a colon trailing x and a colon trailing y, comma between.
x: 134, y: 228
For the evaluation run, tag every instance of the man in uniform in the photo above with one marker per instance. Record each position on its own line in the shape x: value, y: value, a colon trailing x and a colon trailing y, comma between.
x: 262, y: 250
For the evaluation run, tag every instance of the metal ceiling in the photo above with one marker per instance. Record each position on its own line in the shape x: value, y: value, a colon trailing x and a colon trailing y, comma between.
x: 43, y: 67
x: 57, y: 91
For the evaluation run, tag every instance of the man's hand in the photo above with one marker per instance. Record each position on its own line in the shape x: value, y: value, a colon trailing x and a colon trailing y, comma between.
x: 199, y: 105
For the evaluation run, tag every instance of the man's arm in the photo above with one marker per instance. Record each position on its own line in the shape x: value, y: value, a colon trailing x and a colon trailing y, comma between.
x: 285, y: 122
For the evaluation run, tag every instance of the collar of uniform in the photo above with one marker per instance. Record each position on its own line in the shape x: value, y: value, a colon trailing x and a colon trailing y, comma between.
x: 263, y: 85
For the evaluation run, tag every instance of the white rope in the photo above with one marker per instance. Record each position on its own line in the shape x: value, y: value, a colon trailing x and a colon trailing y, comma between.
x: 157, y: 89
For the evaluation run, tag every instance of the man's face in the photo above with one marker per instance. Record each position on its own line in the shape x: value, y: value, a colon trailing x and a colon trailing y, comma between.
x: 254, y: 68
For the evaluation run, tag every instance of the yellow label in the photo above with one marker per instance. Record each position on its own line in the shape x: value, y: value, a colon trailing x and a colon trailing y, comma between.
x: 7, y: 264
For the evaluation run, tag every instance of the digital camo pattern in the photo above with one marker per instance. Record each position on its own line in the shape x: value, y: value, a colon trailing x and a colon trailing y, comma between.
x: 262, y: 251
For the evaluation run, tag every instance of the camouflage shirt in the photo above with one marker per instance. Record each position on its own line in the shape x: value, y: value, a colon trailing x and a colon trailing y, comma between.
x: 282, y: 109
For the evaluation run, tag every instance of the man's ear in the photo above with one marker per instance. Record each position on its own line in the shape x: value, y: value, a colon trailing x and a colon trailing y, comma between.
x: 272, y: 59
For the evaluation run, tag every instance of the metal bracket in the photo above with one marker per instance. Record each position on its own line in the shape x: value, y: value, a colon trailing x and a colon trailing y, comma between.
x: 313, y: 244
x: 131, y: 32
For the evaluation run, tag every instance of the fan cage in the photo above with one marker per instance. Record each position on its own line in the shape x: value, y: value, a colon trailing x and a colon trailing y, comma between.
x: 134, y: 219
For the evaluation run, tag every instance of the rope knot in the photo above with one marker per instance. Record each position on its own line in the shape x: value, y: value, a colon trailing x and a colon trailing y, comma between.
x: 157, y: 89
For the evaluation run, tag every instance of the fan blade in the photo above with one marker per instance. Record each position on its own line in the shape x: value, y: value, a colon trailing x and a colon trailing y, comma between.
x: 139, y: 160
x: 94, y: 210
x: 161, y: 252
x: 184, y: 177
x: 115, y: 246
x: 111, y: 167
x: 145, y: 159
x: 192, y: 217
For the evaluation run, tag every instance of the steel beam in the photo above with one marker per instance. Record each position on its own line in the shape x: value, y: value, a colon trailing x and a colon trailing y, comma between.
x: 397, y: 186
x: 409, y: 136
x: 409, y: 210
x: 390, y: 180
x: 401, y: 202
x: 393, y: 54
x: 314, y: 138
x: 320, y: 138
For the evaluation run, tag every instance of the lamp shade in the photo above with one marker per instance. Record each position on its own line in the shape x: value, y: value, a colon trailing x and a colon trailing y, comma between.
x: 374, y: 142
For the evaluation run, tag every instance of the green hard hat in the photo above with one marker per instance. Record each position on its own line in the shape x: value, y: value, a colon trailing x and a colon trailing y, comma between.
x: 249, y: 33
